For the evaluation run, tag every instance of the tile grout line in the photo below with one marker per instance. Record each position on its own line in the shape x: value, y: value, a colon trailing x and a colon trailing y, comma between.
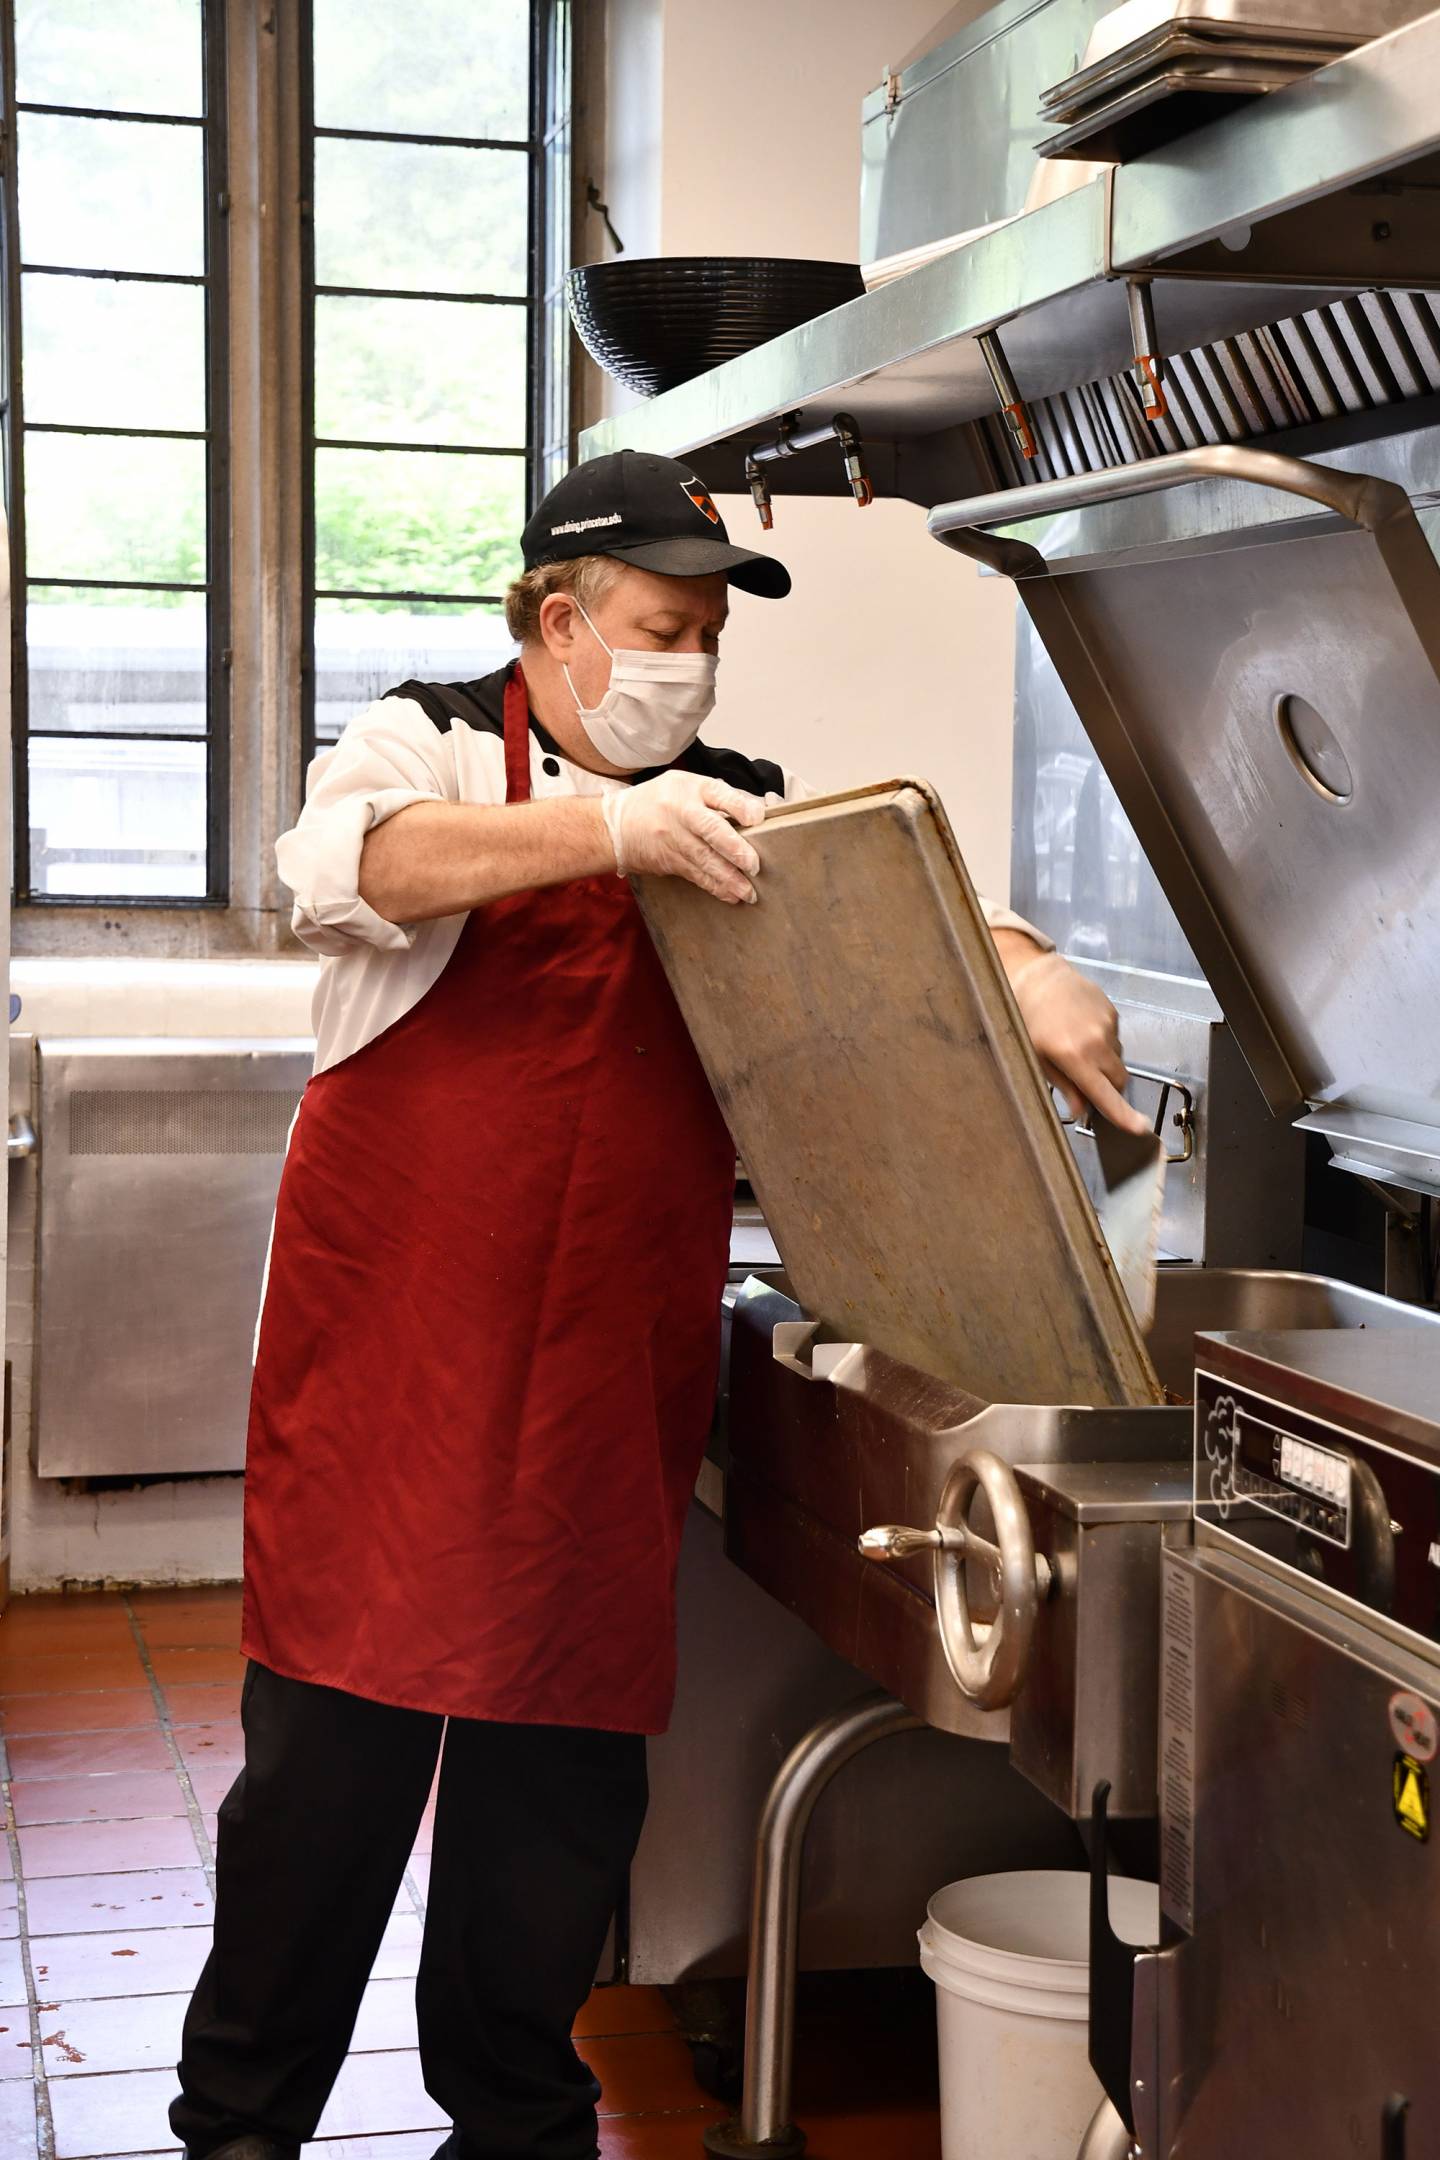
x: 44, y: 2120
x: 182, y: 1773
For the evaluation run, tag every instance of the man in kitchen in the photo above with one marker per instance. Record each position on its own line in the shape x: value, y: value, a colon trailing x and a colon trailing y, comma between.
x: 488, y: 1350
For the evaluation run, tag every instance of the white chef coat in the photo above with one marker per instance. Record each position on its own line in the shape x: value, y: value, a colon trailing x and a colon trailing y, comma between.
x: 391, y: 755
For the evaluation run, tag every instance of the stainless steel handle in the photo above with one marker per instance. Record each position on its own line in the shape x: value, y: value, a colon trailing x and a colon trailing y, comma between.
x: 1360, y: 497
x: 21, y: 1140
x: 987, y: 1664
x: 1182, y: 1120
x: 892, y: 1542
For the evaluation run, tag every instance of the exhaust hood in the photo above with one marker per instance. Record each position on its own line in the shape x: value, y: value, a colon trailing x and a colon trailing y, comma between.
x: 1324, y: 187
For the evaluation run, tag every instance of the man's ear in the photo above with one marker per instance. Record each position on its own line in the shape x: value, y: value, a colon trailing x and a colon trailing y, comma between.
x: 559, y: 624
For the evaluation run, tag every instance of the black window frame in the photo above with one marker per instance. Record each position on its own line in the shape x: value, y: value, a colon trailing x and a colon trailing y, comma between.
x: 542, y: 29
x: 214, y: 279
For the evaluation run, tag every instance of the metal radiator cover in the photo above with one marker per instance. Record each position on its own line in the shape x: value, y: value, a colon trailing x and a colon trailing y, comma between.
x: 159, y: 1163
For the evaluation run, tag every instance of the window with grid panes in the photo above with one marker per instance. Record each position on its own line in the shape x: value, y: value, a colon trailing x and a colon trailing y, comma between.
x: 115, y: 289
x: 426, y: 298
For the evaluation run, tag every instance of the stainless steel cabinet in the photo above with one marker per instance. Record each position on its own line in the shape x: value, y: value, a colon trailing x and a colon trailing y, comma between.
x: 159, y: 1162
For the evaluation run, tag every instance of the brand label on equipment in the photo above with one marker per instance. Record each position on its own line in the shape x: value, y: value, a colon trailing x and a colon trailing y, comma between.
x: 1412, y: 1721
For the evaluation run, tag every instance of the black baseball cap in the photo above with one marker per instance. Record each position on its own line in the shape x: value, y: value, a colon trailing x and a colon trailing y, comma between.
x: 646, y: 510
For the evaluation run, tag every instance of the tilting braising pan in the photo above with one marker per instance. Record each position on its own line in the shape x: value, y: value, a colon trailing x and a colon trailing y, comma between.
x: 956, y: 1327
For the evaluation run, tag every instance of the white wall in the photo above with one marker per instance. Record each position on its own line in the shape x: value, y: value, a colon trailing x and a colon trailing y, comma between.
x: 891, y: 655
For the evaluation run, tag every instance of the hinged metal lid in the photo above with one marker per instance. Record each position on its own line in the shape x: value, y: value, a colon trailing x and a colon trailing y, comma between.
x: 1264, y: 693
x: 860, y: 1035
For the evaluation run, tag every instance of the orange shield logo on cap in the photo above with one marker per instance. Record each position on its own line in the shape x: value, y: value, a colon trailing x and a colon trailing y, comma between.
x: 700, y: 496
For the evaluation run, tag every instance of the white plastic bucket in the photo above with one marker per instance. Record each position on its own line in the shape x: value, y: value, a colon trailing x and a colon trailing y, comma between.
x: 1009, y: 1955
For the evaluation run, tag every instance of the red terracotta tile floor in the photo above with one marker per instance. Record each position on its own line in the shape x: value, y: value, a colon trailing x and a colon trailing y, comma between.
x: 119, y: 1735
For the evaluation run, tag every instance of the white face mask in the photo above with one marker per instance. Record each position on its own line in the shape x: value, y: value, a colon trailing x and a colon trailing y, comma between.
x: 655, y: 706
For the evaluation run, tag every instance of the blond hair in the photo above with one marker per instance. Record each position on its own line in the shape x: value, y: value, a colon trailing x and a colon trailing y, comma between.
x: 587, y: 577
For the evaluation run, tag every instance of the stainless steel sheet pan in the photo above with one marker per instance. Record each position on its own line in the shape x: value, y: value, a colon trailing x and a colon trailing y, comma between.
x: 860, y: 1035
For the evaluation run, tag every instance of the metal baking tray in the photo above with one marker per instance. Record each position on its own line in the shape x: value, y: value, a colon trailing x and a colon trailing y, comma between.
x: 1162, y: 108
x: 1339, y: 24
x: 861, y: 1038
x: 1166, y: 49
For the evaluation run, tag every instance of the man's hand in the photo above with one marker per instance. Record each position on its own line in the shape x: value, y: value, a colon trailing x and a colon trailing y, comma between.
x: 1074, y: 1027
x: 683, y: 825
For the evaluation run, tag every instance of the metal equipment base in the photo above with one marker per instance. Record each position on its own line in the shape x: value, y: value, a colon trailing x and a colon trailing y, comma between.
x: 727, y: 2141
x: 763, y: 2130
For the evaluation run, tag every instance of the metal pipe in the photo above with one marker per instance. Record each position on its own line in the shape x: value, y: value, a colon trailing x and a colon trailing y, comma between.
x: 1146, y: 371
x: 1012, y: 405
x: 1362, y: 498
x: 1107, y: 2137
x: 792, y: 438
x: 763, y: 2125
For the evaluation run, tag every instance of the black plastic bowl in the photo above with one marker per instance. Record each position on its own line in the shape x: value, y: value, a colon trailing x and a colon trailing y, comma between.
x: 654, y: 322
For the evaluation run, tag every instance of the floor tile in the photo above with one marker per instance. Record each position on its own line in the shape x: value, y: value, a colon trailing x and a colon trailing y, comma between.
x: 207, y: 1705
x: 420, y: 1869
x: 624, y: 2010
x: 188, y: 1597
x: 9, y: 1916
x: 211, y: 1781
x: 86, y: 1754
x: 101, y: 1904
x: 399, y: 1954
x: 17, y: 2121
x: 121, y: 2113
x: 879, y: 2134
x: 404, y: 2145
x: 96, y: 2037
x: 17, y: 2056
x: 117, y: 1796
x: 649, y: 2071
x: 110, y: 1710
x: 7, y: 1863
x: 659, y: 2137
x: 198, y: 1668
x: 78, y: 1624
x: 12, y: 1972
x: 63, y: 1601
x: 24, y: 1674
x: 96, y: 1848
x: 190, y: 1627
x: 387, y: 2017
x: 376, y: 2093
x: 144, y: 1961
x: 201, y: 1745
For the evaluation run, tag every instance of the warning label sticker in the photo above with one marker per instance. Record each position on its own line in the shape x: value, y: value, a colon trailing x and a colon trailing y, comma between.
x: 1410, y: 1791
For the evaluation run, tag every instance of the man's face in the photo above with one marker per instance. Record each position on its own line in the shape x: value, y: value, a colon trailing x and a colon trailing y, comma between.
x: 640, y: 613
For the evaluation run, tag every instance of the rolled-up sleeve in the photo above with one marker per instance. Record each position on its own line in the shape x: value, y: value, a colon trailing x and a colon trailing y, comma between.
x: 390, y: 756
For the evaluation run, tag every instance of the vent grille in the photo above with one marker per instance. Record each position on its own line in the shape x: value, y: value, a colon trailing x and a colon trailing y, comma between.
x: 181, y: 1121
x: 1354, y: 355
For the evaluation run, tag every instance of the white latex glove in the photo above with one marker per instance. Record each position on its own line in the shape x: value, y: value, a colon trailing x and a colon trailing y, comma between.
x: 683, y: 825
x: 1076, y: 1033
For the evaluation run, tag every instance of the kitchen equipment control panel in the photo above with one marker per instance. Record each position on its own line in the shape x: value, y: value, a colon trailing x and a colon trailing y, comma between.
x: 1332, y: 1501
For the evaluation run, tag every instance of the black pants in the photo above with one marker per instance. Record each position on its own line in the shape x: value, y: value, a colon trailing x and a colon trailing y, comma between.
x: 535, y: 1826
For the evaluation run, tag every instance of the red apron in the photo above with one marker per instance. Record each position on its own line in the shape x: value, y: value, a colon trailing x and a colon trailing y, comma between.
x: 488, y: 1353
